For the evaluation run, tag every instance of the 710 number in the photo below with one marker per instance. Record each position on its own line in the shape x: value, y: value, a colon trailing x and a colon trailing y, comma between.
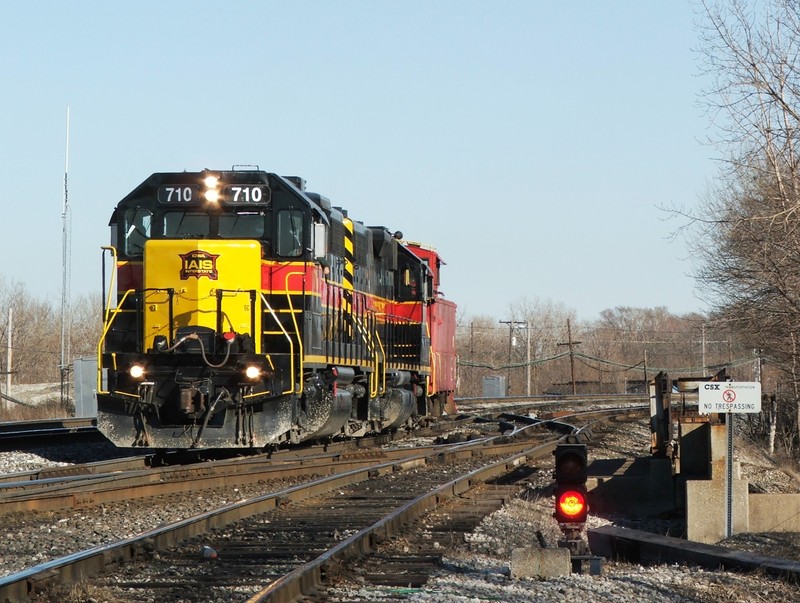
x: 246, y: 194
x: 178, y: 194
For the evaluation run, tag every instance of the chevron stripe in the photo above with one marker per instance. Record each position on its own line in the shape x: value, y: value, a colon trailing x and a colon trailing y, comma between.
x: 347, y: 278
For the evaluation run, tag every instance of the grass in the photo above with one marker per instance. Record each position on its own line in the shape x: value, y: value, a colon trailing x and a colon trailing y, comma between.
x: 49, y: 409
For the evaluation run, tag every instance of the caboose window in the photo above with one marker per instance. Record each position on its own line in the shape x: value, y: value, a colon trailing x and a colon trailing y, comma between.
x: 186, y: 224
x: 290, y: 233
x: 242, y: 225
x: 137, y: 230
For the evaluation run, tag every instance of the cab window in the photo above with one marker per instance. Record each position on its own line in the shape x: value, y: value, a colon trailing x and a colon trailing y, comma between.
x: 137, y: 223
x: 290, y: 233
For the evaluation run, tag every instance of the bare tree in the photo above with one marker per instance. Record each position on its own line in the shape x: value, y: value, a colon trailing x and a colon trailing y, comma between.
x: 36, y: 334
x: 747, y: 234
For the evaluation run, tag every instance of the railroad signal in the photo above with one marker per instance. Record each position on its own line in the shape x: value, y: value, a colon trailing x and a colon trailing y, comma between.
x: 570, y: 475
x: 571, y: 505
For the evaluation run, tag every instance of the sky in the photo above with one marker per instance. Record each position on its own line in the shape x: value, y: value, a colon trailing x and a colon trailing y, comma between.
x: 534, y: 144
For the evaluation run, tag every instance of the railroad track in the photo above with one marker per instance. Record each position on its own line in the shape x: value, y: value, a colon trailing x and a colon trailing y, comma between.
x: 520, y: 404
x: 312, y: 529
x: 17, y: 586
x: 157, y: 474
x: 13, y: 432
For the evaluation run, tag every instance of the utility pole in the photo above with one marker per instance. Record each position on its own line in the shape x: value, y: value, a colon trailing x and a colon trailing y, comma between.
x: 511, y: 324
x: 10, y: 351
x: 528, y: 358
x: 571, y: 345
x: 645, y: 373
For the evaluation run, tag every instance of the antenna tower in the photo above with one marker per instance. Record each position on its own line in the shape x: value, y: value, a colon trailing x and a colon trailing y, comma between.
x: 65, y: 280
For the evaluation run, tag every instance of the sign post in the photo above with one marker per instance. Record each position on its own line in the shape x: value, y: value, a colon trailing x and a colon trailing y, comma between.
x: 729, y: 397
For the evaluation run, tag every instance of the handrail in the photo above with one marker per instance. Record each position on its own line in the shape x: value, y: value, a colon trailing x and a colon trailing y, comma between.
x: 109, y: 319
x: 366, y: 337
x: 373, y: 380
x: 297, y: 332
x: 432, y: 377
x: 288, y: 338
x: 382, y: 385
x: 369, y: 336
x: 113, y: 251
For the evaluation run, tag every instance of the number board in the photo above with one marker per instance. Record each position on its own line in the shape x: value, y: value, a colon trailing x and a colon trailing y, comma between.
x: 730, y: 396
x: 246, y: 194
x: 177, y: 194
x: 239, y: 194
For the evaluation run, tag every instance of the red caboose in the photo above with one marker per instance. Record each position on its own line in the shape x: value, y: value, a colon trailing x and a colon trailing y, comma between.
x: 441, y: 323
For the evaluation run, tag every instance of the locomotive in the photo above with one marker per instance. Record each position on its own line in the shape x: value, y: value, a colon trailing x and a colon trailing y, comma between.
x: 242, y: 310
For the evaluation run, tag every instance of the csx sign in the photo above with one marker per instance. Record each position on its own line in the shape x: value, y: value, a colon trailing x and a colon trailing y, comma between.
x: 730, y: 396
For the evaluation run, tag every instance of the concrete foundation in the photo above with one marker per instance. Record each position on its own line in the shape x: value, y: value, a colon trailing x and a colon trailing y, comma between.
x: 774, y: 513
x: 706, y: 507
x: 540, y: 563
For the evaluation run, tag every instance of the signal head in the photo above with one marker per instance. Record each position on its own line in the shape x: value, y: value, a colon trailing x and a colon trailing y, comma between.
x: 571, y: 505
x: 571, y: 461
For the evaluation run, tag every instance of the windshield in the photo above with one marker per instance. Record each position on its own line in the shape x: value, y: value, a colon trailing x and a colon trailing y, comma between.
x: 186, y: 224
x: 139, y: 225
x: 244, y: 225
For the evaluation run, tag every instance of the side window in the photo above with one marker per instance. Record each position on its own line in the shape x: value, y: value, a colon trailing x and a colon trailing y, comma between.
x: 290, y: 233
x: 409, y: 286
x: 137, y: 231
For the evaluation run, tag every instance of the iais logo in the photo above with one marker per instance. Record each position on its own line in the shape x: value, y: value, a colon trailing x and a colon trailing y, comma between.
x: 198, y: 264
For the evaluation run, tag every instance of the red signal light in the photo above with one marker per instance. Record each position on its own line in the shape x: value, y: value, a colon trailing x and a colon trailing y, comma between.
x: 571, y: 471
x: 571, y: 506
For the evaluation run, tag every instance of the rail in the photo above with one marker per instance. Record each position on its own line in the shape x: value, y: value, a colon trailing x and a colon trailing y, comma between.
x: 17, y: 586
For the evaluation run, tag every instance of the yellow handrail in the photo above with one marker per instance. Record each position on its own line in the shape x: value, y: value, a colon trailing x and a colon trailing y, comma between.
x: 432, y: 377
x: 288, y: 338
x: 296, y: 331
x: 109, y: 319
x: 113, y: 251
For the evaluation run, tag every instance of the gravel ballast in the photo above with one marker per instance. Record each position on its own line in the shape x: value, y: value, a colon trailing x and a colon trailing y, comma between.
x: 478, y: 571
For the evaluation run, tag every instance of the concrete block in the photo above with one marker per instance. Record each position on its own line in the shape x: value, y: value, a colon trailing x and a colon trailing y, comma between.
x: 532, y: 562
x: 774, y: 513
x: 719, y: 442
x: 706, y: 509
x: 720, y: 468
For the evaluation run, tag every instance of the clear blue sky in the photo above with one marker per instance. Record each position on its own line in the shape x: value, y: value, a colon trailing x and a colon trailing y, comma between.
x: 532, y: 143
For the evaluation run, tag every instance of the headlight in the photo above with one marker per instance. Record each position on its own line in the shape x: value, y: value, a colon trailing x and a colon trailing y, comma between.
x: 212, y: 189
x: 136, y: 371
x: 252, y: 372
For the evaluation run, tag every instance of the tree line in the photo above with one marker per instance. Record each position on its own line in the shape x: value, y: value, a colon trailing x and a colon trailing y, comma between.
x: 542, y: 348
x: 33, y: 327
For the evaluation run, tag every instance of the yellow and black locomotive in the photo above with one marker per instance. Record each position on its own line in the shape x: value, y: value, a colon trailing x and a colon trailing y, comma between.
x: 243, y: 310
